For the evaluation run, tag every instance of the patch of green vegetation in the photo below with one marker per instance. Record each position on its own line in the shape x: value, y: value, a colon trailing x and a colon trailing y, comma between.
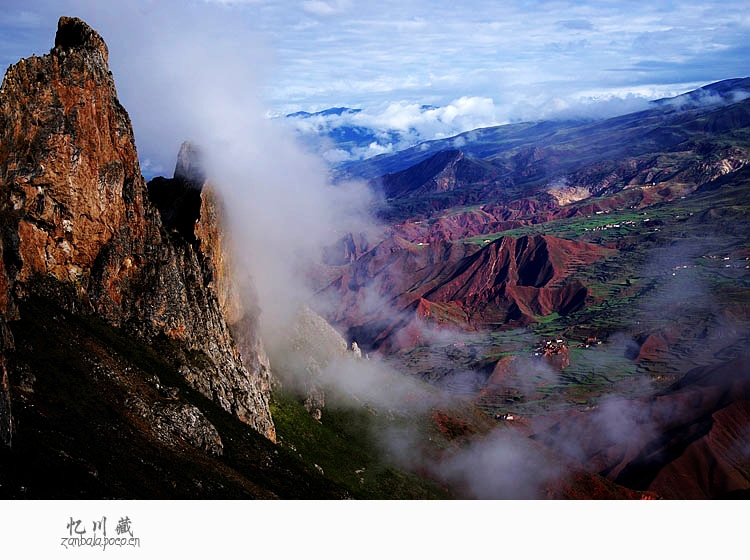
x: 546, y: 319
x: 494, y: 354
x: 341, y: 444
x: 464, y: 209
x: 597, y: 227
x: 516, y: 340
x: 77, y: 436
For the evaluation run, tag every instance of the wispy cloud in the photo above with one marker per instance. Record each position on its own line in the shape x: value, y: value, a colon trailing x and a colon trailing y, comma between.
x: 576, y: 24
x: 396, y: 126
x: 320, y: 8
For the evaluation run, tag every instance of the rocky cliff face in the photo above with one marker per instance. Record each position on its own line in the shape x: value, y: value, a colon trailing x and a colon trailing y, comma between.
x: 308, y: 346
x: 79, y: 228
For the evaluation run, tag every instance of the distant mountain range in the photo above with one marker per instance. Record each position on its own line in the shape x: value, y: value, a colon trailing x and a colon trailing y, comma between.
x: 342, y: 134
x: 332, y: 134
x: 338, y: 111
x: 689, y: 138
x: 345, y: 136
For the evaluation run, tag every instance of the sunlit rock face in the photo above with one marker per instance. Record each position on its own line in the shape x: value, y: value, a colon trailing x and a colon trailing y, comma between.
x: 78, y: 226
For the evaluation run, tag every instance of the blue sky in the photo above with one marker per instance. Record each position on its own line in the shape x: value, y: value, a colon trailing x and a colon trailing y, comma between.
x: 483, y: 62
x: 434, y: 52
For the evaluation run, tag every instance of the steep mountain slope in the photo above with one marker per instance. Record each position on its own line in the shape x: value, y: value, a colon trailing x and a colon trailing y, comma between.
x: 692, y: 138
x: 98, y: 414
x: 724, y: 92
x: 131, y: 363
x: 79, y: 227
x: 386, y: 293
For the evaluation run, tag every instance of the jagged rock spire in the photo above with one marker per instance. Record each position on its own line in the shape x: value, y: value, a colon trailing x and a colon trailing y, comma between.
x: 78, y: 225
x: 74, y: 33
x: 190, y: 166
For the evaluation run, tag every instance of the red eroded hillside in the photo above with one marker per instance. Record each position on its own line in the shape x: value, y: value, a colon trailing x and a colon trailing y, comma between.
x: 495, y: 217
x: 689, y: 442
x: 401, y: 285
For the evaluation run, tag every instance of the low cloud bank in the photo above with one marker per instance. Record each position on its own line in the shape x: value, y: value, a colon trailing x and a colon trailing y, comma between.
x: 364, y: 133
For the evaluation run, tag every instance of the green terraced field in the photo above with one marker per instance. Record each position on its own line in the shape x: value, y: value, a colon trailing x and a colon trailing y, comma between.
x: 682, y: 268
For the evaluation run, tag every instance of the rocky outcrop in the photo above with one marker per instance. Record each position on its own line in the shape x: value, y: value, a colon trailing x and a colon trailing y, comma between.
x: 193, y: 213
x: 6, y: 419
x: 79, y: 226
x: 175, y: 422
x: 346, y: 250
x: 307, y: 346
